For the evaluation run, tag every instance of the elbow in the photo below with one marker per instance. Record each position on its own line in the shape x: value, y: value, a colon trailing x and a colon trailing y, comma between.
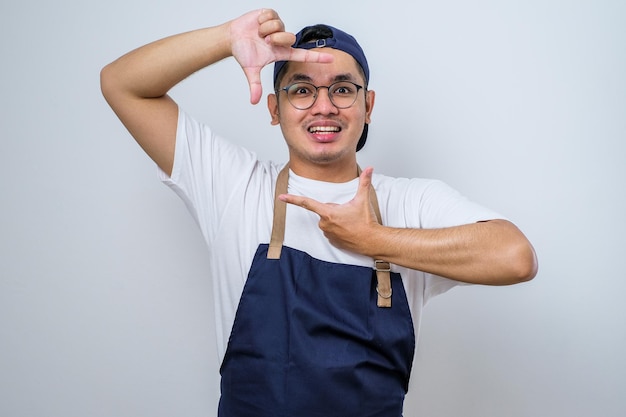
x: 516, y: 256
x: 106, y: 81
x: 523, y: 265
x: 112, y: 82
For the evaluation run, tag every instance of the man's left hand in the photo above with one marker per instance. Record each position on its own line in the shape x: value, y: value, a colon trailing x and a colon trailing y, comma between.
x: 347, y: 226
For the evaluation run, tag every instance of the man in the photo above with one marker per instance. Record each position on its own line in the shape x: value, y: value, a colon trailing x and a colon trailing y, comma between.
x: 320, y: 270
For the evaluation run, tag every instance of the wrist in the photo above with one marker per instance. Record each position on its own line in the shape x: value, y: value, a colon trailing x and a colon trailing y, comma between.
x: 218, y: 40
x: 374, y: 242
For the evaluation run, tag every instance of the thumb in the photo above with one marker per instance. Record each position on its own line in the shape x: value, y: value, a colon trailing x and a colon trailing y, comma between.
x: 365, y: 181
x: 253, y: 74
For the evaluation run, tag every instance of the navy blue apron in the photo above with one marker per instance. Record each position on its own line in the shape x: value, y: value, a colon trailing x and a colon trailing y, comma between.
x: 316, y: 339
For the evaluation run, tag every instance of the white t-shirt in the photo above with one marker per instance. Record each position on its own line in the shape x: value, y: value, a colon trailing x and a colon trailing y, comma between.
x: 230, y: 194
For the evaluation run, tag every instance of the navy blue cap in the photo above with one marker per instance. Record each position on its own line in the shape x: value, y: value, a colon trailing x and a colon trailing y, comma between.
x: 341, y: 41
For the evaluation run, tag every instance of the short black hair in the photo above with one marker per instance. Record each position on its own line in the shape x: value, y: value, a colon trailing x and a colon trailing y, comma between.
x: 313, y: 33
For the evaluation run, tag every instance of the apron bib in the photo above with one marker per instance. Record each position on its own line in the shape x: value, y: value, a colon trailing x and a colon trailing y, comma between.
x: 314, y: 339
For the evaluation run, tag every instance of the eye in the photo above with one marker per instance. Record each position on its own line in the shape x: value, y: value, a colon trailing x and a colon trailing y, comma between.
x: 300, y: 90
x: 343, y: 89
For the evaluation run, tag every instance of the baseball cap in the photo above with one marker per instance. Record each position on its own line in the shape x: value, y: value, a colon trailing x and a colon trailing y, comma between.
x: 339, y: 40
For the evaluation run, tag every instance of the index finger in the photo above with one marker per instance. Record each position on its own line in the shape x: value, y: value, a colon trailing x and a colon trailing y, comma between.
x: 307, y: 55
x: 284, y: 41
x: 304, y: 202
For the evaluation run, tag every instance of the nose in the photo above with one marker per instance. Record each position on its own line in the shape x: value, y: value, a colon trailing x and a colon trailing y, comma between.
x: 322, y: 104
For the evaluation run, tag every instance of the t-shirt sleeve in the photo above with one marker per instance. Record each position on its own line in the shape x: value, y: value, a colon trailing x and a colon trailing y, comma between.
x: 206, y: 169
x: 442, y: 206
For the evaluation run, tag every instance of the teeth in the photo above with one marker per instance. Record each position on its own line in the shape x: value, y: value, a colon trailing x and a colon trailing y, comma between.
x: 322, y: 129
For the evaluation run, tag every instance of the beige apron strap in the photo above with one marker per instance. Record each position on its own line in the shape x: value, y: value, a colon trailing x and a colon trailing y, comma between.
x: 280, y: 211
x: 383, y: 269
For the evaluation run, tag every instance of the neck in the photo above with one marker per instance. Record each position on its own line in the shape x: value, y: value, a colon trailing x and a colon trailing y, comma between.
x: 336, y: 173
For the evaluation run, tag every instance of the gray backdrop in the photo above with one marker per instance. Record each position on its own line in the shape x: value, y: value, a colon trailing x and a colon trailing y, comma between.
x: 104, y: 298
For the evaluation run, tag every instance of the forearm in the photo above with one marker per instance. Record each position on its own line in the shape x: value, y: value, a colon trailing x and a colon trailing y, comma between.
x: 136, y: 86
x: 492, y: 253
x: 152, y: 70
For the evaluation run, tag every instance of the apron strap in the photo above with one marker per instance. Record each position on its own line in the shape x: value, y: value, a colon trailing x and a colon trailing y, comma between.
x: 382, y: 268
x: 280, y: 212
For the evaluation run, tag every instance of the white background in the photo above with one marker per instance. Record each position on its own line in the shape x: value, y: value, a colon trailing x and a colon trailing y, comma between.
x: 104, y: 298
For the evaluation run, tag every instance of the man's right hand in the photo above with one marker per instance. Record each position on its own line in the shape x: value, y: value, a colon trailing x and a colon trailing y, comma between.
x: 136, y: 84
x: 258, y: 38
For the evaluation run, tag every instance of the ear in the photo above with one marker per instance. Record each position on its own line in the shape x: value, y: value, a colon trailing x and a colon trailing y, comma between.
x: 272, y: 106
x: 369, y: 105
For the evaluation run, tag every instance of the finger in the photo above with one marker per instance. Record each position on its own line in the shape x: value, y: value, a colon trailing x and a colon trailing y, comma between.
x: 271, y: 26
x: 304, y: 202
x: 266, y: 15
x: 253, y: 74
x: 306, y: 55
x: 280, y: 38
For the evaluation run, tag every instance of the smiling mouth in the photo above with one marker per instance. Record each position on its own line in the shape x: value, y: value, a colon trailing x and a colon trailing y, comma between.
x: 324, y: 129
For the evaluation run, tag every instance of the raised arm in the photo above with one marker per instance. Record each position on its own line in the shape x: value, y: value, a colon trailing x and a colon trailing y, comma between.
x: 136, y: 85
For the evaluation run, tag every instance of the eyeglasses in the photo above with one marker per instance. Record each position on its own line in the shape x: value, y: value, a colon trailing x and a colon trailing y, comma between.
x: 303, y: 95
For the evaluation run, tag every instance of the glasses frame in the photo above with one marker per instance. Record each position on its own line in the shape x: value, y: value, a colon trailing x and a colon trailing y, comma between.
x: 316, y: 95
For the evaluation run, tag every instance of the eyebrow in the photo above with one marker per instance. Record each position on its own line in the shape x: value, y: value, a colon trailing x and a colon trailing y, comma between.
x: 303, y: 77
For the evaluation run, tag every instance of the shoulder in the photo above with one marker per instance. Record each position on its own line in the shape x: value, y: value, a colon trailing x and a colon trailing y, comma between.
x: 399, y: 188
x: 426, y: 203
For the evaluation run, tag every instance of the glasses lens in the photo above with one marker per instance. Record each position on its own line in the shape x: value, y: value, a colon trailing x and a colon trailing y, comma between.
x: 343, y: 94
x: 301, y: 95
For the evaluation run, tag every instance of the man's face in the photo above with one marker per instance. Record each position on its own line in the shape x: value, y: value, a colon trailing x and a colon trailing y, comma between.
x: 323, y: 134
